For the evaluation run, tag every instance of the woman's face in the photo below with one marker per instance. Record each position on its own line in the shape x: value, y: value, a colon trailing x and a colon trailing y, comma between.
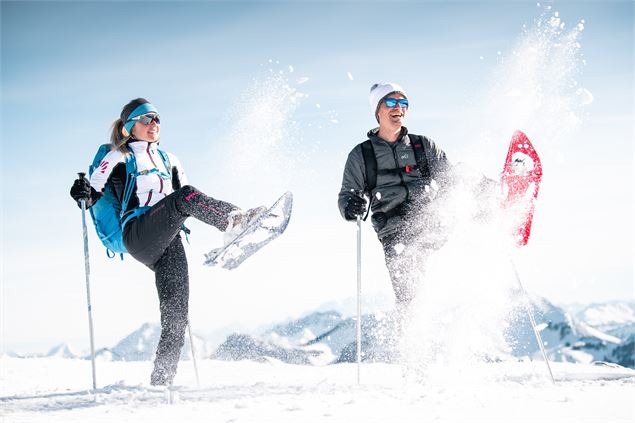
x: 147, y: 132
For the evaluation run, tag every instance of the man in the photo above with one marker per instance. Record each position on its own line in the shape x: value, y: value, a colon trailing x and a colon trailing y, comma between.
x: 402, y: 174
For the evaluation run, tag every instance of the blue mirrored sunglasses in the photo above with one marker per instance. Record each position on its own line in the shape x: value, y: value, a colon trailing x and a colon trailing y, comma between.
x: 147, y: 118
x: 392, y: 102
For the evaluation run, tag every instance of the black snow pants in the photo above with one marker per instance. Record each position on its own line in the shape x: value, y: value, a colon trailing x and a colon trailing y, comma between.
x: 153, y: 239
x: 406, y: 259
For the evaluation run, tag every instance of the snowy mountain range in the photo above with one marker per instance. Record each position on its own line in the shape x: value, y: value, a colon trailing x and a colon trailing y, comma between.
x: 608, y: 316
x: 139, y: 345
x: 569, y: 338
x: 328, y: 337
x: 63, y: 351
x: 597, y: 332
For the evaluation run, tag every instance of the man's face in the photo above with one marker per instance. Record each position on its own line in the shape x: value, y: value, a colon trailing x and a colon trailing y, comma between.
x: 392, y: 116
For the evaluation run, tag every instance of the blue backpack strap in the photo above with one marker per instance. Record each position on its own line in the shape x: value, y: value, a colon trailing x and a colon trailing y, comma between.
x: 131, y: 177
x: 112, y: 254
x: 156, y: 171
x: 186, y: 232
x: 166, y: 161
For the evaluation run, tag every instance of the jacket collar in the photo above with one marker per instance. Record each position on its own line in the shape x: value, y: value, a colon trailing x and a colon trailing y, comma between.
x: 373, y: 135
x: 139, y: 146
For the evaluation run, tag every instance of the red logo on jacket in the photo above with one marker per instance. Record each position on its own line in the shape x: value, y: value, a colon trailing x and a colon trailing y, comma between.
x: 103, y: 166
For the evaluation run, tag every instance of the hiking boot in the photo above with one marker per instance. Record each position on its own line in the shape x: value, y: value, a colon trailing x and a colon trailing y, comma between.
x: 161, y: 377
x: 239, y: 220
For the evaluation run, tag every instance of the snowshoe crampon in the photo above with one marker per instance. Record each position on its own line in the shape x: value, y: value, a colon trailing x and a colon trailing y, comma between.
x: 261, y: 230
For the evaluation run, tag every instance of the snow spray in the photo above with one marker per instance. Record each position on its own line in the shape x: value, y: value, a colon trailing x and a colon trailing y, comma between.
x: 464, y: 295
x: 533, y: 88
x: 263, y: 141
x: 467, y: 297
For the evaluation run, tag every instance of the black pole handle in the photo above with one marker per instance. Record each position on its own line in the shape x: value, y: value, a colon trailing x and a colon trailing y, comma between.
x: 81, y: 178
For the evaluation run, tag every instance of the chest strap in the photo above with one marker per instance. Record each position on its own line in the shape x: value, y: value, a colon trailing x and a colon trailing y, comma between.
x: 405, y: 169
x: 131, y: 181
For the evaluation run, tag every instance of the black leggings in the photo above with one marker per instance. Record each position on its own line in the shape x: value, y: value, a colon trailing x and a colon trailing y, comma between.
x: 153, y: 239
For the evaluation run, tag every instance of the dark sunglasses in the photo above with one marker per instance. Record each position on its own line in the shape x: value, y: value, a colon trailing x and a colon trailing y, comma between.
x: 148, y: 118
x: 392, y: 102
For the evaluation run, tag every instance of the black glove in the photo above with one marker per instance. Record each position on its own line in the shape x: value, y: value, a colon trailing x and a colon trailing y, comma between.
x: 81, y: 190
x: 355, y: 206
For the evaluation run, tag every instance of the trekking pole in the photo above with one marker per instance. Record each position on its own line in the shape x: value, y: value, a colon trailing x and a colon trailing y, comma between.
x: 359, y: 296
x: 533, y: 322
x: 189, y: 329
x: 87, y: 272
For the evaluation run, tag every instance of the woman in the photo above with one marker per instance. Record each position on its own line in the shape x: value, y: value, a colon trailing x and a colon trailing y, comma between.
x: 160, y: 202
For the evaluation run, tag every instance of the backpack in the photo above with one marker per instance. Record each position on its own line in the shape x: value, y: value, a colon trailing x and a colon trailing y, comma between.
x: 370, y: 164
x: 108, y: 213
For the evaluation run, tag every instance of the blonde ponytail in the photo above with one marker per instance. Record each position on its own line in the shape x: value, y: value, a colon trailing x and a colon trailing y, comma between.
x: 117, y: 139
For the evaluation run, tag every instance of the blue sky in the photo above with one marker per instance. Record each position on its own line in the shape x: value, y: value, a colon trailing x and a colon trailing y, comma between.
x: 211, y: 67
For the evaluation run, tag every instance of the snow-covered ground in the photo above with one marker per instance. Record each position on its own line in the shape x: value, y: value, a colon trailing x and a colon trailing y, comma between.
x: 58, y: 390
